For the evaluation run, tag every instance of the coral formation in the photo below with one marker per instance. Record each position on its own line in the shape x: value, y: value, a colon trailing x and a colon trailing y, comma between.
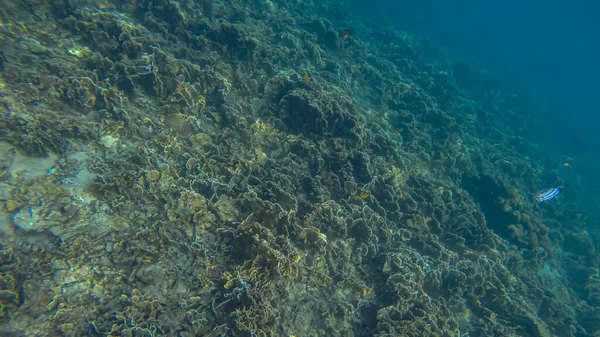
x: 246, y: 169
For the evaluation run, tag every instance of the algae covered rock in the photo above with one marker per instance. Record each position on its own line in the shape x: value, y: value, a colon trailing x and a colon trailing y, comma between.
x: 321, y: 115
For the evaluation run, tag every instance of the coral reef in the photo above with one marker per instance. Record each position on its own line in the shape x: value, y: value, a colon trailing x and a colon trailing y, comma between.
x: 200, y: 168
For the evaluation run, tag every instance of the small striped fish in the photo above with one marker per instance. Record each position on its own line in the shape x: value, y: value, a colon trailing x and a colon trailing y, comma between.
x: 547, y: 194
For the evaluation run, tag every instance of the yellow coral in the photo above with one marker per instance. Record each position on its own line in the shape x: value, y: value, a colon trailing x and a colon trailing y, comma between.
x: 226, y: 208
x: 263, y: 130
x: 11, y: 206
x: 229, y: 284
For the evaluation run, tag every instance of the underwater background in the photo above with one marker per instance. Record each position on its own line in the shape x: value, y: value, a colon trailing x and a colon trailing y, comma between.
x: 299, y: 168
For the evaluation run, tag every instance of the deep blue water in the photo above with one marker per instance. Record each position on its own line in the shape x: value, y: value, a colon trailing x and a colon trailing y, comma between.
x: 546, y: 51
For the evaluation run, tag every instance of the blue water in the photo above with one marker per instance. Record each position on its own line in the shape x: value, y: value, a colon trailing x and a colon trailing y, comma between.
x: 547, y: 51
